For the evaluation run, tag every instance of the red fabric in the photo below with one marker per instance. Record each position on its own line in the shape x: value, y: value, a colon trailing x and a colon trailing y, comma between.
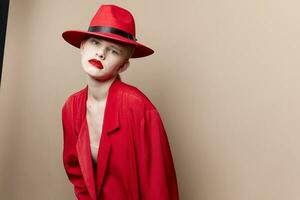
x: 134, y: 158
x: 115, y: 17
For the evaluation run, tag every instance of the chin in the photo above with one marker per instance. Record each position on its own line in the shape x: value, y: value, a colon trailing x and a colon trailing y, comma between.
x: 92, y: 76
x: 91, y: 71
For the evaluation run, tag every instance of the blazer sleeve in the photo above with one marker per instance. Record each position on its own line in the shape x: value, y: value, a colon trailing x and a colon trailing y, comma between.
x: 155, y: 163
x: 70, y: 159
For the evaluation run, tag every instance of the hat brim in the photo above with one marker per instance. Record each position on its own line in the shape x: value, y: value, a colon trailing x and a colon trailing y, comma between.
x: 74, y: 37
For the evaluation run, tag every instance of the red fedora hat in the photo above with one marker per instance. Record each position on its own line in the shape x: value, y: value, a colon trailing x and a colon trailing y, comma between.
x: 111, y: 22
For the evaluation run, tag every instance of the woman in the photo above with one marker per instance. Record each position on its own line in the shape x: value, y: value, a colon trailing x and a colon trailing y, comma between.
x: 115, y: 144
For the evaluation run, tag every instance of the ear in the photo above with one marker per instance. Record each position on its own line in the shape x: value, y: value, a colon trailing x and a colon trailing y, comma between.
x: 124, y: 66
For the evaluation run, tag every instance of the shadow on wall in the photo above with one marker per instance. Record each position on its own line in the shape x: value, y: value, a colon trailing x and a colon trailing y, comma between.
x: 3, y: 22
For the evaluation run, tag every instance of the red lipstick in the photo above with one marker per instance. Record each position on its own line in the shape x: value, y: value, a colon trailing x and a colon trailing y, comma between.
x: 96, y: 63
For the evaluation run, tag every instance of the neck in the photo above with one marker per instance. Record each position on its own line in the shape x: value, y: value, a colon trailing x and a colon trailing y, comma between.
x: 98, y: 90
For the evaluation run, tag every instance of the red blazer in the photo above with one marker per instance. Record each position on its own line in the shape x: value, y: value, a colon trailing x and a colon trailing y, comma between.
x: 134, y: 157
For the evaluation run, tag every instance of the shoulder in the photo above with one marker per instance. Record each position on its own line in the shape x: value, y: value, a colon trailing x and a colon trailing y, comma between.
x: 135, y: 98
x: 140, y: 110
x: 72, y: 99
x: 137, y: 106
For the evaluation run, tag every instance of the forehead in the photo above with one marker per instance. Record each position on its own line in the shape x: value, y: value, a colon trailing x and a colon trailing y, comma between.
x: 110, y: 41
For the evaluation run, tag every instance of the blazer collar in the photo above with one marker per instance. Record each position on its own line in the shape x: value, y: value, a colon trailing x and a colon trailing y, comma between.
x: 110, y: 124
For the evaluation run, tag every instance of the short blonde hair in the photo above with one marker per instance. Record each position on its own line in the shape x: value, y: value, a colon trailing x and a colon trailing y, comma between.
x: 130, y: 51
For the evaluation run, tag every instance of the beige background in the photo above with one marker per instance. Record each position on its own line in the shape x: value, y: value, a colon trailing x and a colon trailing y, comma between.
x: 225, y: 77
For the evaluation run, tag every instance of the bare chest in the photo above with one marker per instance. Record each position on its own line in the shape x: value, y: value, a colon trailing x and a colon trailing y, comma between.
x: 94, y: 116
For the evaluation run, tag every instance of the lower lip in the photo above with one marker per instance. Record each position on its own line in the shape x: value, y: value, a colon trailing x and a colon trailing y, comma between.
x: 95, y: 64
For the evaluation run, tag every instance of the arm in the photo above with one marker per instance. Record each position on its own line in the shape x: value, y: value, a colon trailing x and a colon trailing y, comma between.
x: 155, y: 163
x: 70, y: 159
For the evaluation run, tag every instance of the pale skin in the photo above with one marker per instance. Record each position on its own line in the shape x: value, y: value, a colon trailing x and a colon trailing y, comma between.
x: 114, y: 57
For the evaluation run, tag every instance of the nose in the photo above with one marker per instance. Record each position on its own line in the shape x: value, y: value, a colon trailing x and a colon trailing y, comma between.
x: 100, y: 53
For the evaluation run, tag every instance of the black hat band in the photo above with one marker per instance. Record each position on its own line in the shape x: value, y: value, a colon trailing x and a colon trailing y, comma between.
x: 106, y: 29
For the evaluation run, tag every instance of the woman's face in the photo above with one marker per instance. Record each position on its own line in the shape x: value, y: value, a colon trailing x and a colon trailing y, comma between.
x: 103, y: 59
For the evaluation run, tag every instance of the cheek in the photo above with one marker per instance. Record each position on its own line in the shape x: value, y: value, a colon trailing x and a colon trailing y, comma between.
x: 117, y: 60
x: 84, y: 62
x: 86, y: 57
x: 88, y: 53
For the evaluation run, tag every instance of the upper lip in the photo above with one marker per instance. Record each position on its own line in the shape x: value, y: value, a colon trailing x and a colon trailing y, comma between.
x: 95, y: 60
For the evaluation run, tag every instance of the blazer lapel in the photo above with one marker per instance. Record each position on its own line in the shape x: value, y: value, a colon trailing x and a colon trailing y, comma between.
x: 110, y: 124
x: 85, y: 160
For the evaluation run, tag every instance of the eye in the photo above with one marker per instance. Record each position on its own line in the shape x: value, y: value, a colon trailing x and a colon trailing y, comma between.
x: 95, y: 42
x: 114, y: 52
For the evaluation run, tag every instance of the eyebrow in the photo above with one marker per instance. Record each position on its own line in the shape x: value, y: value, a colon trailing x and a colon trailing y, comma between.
x: 115, y: 47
